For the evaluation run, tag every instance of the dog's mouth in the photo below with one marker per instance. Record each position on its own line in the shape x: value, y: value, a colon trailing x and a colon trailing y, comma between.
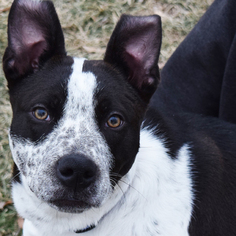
x: 70, y: 205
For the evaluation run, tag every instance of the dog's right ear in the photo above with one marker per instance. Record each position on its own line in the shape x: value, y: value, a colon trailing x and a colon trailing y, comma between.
x: 34, y: 36
x: 134, y: 49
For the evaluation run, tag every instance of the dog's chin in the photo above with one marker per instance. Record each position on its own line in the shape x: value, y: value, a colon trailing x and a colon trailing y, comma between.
x: 70, y: 205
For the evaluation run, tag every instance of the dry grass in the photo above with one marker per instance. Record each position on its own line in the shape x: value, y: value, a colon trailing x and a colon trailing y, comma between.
x: 87, y: 25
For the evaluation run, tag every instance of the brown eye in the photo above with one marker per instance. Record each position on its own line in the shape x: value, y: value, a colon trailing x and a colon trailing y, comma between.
x: 41, y: 114
x: 114, y: 121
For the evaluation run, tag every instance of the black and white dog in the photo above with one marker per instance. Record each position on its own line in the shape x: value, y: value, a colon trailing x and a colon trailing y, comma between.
x: 91, y: 157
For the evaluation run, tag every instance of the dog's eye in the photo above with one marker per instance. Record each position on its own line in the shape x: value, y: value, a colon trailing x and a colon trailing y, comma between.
x: 114, y: 121
x: 41, y: 114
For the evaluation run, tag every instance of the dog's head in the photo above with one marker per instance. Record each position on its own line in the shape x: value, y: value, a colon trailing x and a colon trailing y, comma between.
x: 76, y: 123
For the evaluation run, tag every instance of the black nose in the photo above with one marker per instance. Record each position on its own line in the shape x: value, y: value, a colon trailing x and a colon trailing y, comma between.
x: 76, y: 171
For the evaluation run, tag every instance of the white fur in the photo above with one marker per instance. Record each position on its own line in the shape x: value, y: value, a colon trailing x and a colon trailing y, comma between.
x: 158, y: 200
x: 29, y: 228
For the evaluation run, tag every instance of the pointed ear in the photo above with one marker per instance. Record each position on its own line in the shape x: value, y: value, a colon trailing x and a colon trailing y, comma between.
x: 134, y: 49
x: 34, y: 36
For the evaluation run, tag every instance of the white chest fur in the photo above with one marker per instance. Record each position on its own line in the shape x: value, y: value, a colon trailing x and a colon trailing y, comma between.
x: 155, y: 198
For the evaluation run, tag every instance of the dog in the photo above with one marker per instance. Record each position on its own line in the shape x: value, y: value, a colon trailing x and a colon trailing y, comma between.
x: 92, y: 157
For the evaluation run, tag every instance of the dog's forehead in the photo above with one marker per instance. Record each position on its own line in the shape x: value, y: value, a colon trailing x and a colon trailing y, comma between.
x: 80, y: 87
x: 113, y: 91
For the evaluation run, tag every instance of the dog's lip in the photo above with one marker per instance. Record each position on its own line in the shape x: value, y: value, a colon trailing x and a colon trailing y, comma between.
x: 70, y: 203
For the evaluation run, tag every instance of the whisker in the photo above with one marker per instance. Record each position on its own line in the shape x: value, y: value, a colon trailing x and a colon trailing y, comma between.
x: 15, y: 176
x: 123, y: 193
x: 121, y: 180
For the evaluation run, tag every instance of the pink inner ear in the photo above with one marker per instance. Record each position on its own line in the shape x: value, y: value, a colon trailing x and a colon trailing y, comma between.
x: 29, y: 57
x: 140, y: 56
x: 137, y: 49
x: 29, y: 43
x: 32, y: 33
x: 25, y: 35
x: 36, y: 50
x: 142, y: 49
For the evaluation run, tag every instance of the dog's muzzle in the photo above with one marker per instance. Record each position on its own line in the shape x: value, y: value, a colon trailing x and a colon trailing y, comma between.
x: 77, y: 175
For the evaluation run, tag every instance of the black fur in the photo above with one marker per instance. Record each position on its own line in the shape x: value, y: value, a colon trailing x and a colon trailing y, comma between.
x: 124, y: 141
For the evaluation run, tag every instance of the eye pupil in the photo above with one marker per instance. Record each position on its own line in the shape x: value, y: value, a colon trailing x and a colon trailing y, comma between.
x: 114, y: 121
x: 41, y: 114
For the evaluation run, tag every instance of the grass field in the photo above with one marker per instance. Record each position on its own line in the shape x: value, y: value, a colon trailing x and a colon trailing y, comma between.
x: 87, y: 25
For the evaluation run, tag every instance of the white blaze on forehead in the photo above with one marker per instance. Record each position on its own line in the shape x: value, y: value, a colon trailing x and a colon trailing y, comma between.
x: 81, y: 88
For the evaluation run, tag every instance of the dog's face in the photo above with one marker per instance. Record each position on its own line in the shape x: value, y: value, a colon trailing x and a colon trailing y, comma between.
x: 76, y: 123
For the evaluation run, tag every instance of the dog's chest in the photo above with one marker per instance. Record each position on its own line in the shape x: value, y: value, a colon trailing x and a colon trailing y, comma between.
x: 158, y: 200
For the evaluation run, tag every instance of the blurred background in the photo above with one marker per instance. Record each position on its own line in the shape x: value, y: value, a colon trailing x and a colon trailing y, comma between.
x: 87, y: 25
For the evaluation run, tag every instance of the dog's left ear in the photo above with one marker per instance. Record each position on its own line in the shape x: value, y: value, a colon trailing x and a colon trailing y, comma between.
x: 134, y: 49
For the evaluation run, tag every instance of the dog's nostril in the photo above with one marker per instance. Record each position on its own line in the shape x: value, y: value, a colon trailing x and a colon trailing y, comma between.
x: 88, y: 174
x: 67, y: 172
